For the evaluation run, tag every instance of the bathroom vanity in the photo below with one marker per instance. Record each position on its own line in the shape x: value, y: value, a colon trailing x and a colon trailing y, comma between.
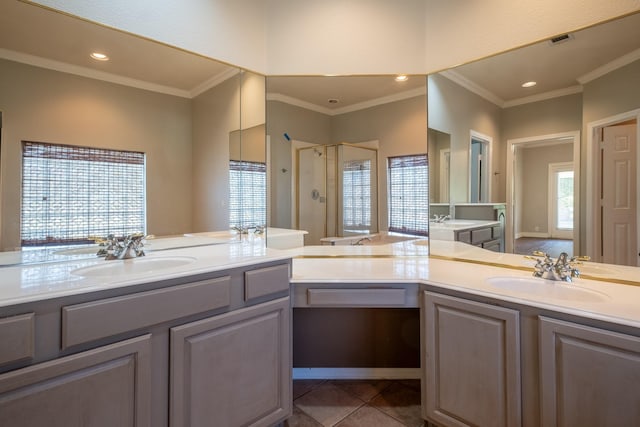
x: 210, y: 339
x: 482, y: 233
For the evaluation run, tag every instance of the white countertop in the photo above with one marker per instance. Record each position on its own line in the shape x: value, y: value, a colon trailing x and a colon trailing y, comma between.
x: 398, y: 263
x: 34, y: 282
x: 402, y: 262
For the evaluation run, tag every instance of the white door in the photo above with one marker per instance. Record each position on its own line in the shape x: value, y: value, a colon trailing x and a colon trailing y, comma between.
x: 619, y: 195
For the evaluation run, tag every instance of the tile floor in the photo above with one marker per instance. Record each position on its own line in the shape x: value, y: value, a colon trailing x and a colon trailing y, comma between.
x: 356, y: 403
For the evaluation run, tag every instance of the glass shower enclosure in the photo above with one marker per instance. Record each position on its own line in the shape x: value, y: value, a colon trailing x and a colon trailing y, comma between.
x: 337, y: 191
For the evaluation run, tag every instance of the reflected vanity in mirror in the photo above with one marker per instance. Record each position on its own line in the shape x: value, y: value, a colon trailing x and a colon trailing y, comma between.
x: 330, y: 141
x: 555, y: 145
x: 179, y: 117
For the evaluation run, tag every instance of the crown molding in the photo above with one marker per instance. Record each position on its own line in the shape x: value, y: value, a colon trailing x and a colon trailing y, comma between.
x: 298, y: 103
x: 472, y: 87
x: 89, y: 73
x: 213, y: 82
x: 271, y: 96
x: 543, y: 96
x: 611, y: 66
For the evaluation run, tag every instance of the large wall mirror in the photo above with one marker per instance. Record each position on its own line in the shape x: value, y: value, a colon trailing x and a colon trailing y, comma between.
x: 554, y: 126
x: 188, y: 114
x: 330, y: 139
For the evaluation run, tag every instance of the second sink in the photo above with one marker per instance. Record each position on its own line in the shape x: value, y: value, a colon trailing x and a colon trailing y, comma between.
x: 547, y: 288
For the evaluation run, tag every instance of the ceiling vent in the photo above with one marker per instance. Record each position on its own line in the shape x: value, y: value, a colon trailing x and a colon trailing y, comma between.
x: 560, y: 39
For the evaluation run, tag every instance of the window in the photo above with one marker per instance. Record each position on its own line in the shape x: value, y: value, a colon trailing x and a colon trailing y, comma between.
x: 356, y: 195
x: 70, y: 193
x: 408, y: 194
x: 247, y: 194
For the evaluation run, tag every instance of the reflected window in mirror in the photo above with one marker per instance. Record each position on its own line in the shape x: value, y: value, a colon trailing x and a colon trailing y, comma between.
x: 247, y: 194
x: 408, y: 194
x: 72, y: 193
x: 356, y: 194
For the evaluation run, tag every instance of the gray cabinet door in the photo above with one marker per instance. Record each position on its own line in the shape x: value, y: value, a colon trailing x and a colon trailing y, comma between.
x: 472, y: 363
x: 590, y: 376
x: 233, y: 369
x: 108, y: 386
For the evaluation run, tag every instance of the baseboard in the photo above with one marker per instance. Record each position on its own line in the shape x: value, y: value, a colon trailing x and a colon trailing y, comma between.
x: 356, y: 373
x: 533, y: 234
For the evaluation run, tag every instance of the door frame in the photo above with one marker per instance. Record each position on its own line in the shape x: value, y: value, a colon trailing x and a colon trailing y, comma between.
x: 593, y: 216
x: 487, y: 142
x: 512, y: 144
x: 443, y: 179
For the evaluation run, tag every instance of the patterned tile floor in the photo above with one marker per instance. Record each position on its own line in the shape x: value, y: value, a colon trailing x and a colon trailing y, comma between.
x: 355, y: 403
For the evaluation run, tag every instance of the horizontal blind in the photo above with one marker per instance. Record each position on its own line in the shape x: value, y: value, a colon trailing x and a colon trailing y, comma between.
x: 409, y: 194
x: 70, y: 193
x: 247, y: 194
x: 356, y: 195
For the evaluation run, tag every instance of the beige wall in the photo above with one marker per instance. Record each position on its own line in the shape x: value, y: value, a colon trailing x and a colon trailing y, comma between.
x: 48, y: 106
x: 456, y: 111
x: 556, y: 115
x: 216, y: 113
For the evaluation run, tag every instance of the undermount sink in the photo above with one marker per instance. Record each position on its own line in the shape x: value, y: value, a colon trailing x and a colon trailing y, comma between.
x: 547, y: 288
x: 132, y: 266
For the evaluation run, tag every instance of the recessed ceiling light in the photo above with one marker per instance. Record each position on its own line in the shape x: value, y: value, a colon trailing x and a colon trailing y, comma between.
x: 402, y: 78
x: 99, y: 56
x: 529, y: 84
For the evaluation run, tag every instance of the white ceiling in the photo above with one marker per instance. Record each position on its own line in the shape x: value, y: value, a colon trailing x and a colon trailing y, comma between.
x: 556, y: 68
x: 31, y: 34
x: 56, y: 40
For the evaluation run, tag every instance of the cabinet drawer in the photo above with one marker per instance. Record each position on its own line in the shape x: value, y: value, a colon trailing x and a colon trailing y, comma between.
x: 16, y: 338
x: 98, y: 319
x: 497, y: 232
x: 464, y: 236
x: 376, y: 297
x: 266, y: 281
x: 480, y: 235
x: 492, y: 245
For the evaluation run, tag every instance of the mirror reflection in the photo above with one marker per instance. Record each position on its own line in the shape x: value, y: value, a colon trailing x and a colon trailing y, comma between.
x: 559, y: 121
x: 184, y: 121
x: 333, y: 144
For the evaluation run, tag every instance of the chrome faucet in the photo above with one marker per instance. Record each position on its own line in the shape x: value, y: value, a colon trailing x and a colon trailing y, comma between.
x: 440, y: 218
x: 122, y: 248
x: 240, y: 229
x: 562, y: 269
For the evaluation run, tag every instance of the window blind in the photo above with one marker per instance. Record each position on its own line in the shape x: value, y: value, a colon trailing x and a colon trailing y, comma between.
x: 70, y: 193
x: 247, y: 194
x: 408, y: 194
